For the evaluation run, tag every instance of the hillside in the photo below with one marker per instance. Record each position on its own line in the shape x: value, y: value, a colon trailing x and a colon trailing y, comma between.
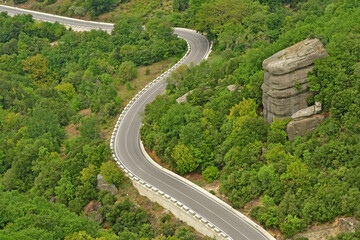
x: 221, y: 134
x: 60, y: 94
x: 76, y: 81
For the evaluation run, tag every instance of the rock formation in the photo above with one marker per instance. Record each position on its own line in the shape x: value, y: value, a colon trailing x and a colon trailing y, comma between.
x: 103, y: 186
x: 285, y: 87
x: 306, y: 119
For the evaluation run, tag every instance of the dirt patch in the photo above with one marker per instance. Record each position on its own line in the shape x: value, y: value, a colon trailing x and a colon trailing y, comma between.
x: 322, y: 232
x: 154, y: 70
x: 72, y: 129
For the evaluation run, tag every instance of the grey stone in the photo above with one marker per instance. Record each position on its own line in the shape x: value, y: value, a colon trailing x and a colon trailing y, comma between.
x: 103, y: 186
x: 285, y: 107
x: 284, y: 93
x: 301, y: 126
x: 233, y: 87
x: 298, y: 56
x: 183, y: 99
x: 348, y: 224
x: 288, y: 80
x: 306, y: 112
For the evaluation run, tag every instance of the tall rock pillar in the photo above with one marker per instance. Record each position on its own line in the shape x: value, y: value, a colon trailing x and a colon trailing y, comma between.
x: 285, y: 87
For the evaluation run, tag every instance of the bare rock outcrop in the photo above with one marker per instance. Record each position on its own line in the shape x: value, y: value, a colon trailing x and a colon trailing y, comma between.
x: 298, y: 56
x: 92, y: 210
x: 301, y: 126
x: 285, y: 88
x: 104, y: 186
x: 183, y: 98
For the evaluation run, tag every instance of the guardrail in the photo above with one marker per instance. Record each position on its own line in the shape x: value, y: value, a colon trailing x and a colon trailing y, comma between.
x: 216, y: 232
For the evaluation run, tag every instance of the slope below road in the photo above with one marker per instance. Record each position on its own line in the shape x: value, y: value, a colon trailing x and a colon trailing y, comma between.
x: 128, y: 150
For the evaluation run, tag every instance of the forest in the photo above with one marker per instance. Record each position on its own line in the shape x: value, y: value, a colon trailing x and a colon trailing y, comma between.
x: 221, y: 134
x: 51, y: 78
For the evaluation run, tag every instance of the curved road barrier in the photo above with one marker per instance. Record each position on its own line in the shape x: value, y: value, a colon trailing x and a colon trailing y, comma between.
x: 187, y: 201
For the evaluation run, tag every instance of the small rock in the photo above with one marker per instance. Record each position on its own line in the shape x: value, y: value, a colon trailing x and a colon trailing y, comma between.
x: 103, y: 186
x: 348, y: 224
x: 233, y: 87
x: 306, y: 112
x: 183, y: 98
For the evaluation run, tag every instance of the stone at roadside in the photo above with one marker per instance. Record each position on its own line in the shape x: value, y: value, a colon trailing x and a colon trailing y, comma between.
x: 103, y: 186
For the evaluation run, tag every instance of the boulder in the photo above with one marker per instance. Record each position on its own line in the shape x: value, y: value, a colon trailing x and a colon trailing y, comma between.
x: 183, y: 98
x: 300, y: 126
x: 300, y: 55
x: 233, y: 87
x: 306, y: 112
x: 103, y: 186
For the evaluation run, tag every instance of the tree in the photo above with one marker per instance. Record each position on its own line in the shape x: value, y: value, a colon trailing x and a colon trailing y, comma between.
x: 127, y: 71
x: 111, y: 173
x: 89, y: 128
x: 37, y: 66
x: 180, y: 5
x: 211, y: 173
x: 97, y: 7
x: 291, y: 226
x: 185, y: 161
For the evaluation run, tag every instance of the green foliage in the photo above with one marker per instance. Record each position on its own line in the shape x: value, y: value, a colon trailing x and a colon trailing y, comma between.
x: 24, y: 217
x: 125, y: 218
x: 111, y: 173
x: 127, y: 71
x: 291, y: 225
x: 184, y: 160
x: 211, y: 173
x: 97, y: 7
x: 55, y: 102
x: 308, y: 180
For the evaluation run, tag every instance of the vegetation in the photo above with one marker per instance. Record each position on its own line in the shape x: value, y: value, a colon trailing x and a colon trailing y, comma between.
x: 48, y: 75
x: 308, y: 180
x: 51, y: 81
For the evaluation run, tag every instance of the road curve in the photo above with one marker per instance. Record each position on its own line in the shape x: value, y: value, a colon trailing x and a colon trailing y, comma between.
x: 127, y: 148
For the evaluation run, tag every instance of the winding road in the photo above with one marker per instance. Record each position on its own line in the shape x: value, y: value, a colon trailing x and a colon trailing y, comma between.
x: 128, y: 148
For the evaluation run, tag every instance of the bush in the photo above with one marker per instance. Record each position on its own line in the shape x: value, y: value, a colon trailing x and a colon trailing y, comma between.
x: 211, y: 173
x: 20, y: 1
x: 111, y: 173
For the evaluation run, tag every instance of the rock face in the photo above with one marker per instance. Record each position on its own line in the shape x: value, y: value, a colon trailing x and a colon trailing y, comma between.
x: 300, y: 126
x: 298, y: 56
x: 285, y: 87
x: 103, y: 186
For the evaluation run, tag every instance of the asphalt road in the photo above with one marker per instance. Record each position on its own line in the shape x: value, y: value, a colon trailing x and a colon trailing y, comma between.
x: 127, y: 148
